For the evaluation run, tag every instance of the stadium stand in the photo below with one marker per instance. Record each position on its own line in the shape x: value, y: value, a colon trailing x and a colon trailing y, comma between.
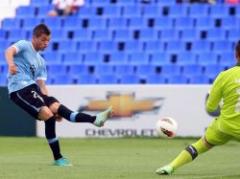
x: 127, y: 42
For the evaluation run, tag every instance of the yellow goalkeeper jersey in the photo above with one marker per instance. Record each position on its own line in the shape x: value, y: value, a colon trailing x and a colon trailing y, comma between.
x: 226, y: 87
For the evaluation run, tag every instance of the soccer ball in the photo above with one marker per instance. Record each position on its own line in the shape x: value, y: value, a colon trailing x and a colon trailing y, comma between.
x: 166, y: 127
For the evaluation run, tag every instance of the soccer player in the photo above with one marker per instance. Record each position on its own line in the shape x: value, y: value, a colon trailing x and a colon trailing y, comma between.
x: 27, y: 89
x: 225, y: 127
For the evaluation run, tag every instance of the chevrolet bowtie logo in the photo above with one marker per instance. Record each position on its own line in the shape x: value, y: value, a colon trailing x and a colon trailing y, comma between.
x: 124, y: 104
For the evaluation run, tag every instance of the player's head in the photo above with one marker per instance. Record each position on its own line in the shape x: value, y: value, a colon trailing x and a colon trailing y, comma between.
x: 41, y: 37
x: 237, y: 51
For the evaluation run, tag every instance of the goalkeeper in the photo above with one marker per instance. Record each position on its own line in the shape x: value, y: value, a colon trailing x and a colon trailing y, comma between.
x: 226, y: 125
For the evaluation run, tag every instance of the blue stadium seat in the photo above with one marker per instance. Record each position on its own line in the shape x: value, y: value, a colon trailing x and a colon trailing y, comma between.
x: 93, y: 58
x: 9, y: 23
x: 137, y: 22
x: 78, y: 69
x: 124, y: 69
x: 122, y: 34
x: 53, y: 22
x: 87, y: 46
x: 218, y: 11
x: 230, y: 23
x: 152, y: 11
x: 118, y: 58
x: 30, y: 23
x: 148, y: 34
x: 175, y: 46
x: 166, y: 2
x: 153, y: 46
x: 178, y: 11
x: 198, y: 10
x: 163, y: 23
x: 43, y: 11
x: 190, y: 70
x: 130, y: 79
x: 86, y: 12
x: 160, y: 58
x: 189, y: 35
x: 2, y: 34
x: 81, y: 35
x: 107, y: 79
x: 222, y: 46
x: 138, y: 58
x: 184, y: 23
x: 226, y: 59
x: 156, y: 79
x: 86, y: 79
x: 97, y: 23
x: 104, y: 70
x: 133, y: 46
x: 72, y: 58
x: 131, y: 11
x: 216, y: 34
x: 59, y: 35
x: 71, y: 22
x: 112, y: 11
x: 145, y: 69
x: 62, y: 79
x: 52, y: 57
x: 39, y: 3
x: 204, y: 23
x: 169, y: 34
x: 102, y: 34
x: 25, y: 12
x: 233, y: 34
x: 67, y: 46
x: 198, y: 79
x: 186, y: 58
x: 200, y: 46
x: 100, y: 2
x: 126, y: 3
x: 117, y: 23
x: 207, y: 58
x: 177, y: 79
x: 3, y: 80
x: 56, y: 70
x: 107, y: 46
x: 17, y: 34
x: 213, y: 70
x: 171, y: 70
x: 3, y: 45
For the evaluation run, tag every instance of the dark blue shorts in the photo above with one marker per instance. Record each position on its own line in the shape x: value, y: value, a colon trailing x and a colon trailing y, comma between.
x: 31, y: 99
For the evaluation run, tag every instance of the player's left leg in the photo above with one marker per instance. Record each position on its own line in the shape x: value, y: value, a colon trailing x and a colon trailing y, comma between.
x: 71, y: 116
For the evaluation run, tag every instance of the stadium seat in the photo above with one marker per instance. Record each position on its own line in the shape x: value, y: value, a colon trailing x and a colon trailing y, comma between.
x: 222, y: 46
x: 178, y: 11
x: 163, y: 23
x: 230, y: 23
x: 137, y: 23
x: 3, y: 34
x: 175, y: 46
x: 207, y: 58
x: 56, y: 70
x: 17, y: 34
x: 152, y: 11
x: 78, y: 69
x: 53, y: 22
x: 133, y: 46
x: 10, y: 23
x: 104, y: 70
x: 3, y: 80
x: 198, y: 10
x: 166, y: 2
x: 170, y: 70
x: 112, y: 11
x: 218, y: 11
x: 138, y: 58
x: 30, y: 23
x: 204, y: 23
x: 160, y: 58
x: 25, y: 12
x: 145, y: 70
x: 52, y: 57
x: 93, y: 58
x: 100, y: 2
x: 131, y: 11
x: 67, y: 46
x: 177, y: 79
x: 87, y: 46
x: 71, y: 22
x: 124, y: 69
x: 148, y: 34
x: 62, y: 79
x: 81, y: 35
x: 107, y: 46
x: 71, y: 58
x: 39, y: 3
x: 153, y: 46
x: 122, y: 34
x: 43, y: 11
x: 233, y: 35
x: 86, y: 79
x: 59, y: 35
x: 186, y: 58
x: 216, y: 34
x: 213, y: 70
x: 189, y: 35
x: 200, y: 46
x: 226, y: 59
x: 184, y: 23
x: 102, y: 34
x: 118, y: 58
x: 190, y: 70
x: 129, y: 79
x: 156, y: 79
x: 97, y: 23
x: 107, y: 79
x: 117, y: 23
x: 198, y: 79
x: 169, y: 34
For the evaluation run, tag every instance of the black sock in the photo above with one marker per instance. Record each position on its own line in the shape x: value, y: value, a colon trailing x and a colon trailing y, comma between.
x: 50, y: 133
x: 74, y: 116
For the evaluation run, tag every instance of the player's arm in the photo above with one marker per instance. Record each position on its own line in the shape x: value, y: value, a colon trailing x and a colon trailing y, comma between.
x: 214, y: 97
x: 9, y: 54
x: 42, y: 85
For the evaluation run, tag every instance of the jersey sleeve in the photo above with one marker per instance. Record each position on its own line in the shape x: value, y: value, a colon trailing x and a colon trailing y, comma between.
x: 215, y: 94
x: 21, y: 45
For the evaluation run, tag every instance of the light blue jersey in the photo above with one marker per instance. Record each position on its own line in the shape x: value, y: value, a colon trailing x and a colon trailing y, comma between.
x: 30, y: 66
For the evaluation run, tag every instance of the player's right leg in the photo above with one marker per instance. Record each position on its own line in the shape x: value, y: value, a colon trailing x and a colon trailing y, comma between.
x: 212, y: 137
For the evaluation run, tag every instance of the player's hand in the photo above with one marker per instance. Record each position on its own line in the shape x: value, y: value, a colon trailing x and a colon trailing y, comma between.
x: 58, y: 118
x: 12, y: 69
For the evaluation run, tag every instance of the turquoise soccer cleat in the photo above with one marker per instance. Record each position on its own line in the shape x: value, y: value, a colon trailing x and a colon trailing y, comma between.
x: 165, y: 170
x: 62, y: 162
x: 102, y: 117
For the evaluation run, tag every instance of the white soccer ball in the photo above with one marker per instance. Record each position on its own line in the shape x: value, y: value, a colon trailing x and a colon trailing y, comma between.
x: 166, y: 127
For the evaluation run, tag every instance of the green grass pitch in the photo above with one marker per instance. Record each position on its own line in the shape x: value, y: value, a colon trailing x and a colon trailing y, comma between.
x: 130, y: 158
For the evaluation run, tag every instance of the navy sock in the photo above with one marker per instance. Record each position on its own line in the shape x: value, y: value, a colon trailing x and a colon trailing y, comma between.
x: 50, y: 133
x: 74, y: 116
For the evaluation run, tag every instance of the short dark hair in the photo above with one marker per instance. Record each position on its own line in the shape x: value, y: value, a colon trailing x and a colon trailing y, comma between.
x: 41, y: 29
